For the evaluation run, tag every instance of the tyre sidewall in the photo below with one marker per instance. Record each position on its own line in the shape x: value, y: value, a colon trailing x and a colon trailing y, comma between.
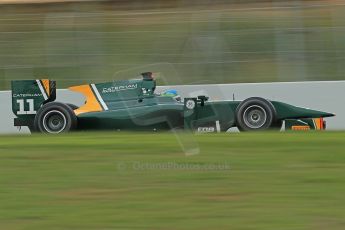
x: 71, y: 120
x: 255, y: 101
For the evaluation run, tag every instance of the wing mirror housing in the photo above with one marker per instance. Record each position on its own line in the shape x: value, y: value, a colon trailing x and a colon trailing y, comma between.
x: 202, y: 99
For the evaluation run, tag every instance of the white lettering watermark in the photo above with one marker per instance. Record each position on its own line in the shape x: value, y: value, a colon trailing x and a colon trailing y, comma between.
x: 145, y: 166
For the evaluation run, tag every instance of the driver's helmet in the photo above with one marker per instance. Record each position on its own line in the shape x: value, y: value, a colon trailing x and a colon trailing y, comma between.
x: 171, y: 93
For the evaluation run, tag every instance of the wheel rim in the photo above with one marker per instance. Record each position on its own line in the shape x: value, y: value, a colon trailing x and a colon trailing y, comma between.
x: 255, y: 117
x: 54, y: 121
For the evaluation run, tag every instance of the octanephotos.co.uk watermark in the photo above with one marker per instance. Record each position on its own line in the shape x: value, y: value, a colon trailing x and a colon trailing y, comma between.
x: 146, y: 166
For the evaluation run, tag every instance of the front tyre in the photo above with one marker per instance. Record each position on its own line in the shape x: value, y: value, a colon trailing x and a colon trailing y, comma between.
x: 255, y: 114
x: 55, y: 117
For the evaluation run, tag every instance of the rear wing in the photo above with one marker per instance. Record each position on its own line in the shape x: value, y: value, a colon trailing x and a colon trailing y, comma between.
x: 28, y: 96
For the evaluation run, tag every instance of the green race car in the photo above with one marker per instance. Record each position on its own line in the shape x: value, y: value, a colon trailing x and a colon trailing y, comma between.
x: 134, y: 105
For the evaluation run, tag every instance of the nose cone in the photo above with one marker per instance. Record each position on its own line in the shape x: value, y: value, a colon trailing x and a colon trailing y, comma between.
x: 286, y: 111
x: 310, y: 113
x: 325, y: 114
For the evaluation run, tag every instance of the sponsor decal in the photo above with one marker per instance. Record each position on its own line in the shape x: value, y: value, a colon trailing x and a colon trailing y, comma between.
x: 27, y: 95
x: 206, y: 129
x: 146, y: 91
x: 300, y: 127
x: 119, y: 88
x: 190, y: 104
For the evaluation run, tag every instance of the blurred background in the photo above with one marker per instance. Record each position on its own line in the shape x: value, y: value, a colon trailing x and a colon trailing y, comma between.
x: 189, y: 42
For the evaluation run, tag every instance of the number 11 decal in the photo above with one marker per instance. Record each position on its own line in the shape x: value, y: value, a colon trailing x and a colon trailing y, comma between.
x: 21, y: 103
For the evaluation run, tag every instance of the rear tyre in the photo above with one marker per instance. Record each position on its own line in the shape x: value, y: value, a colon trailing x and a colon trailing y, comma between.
x: 255, y: 114
x: 55, y: 117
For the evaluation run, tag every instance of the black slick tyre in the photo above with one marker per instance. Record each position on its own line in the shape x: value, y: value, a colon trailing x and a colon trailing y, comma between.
x: 55, y: 117
x: 255, y: 114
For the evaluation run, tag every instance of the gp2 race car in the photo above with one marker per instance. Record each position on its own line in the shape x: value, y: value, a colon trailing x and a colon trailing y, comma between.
x: 134, y: 105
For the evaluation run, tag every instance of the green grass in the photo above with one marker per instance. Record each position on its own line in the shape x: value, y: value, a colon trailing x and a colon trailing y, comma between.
x: 145, y: 181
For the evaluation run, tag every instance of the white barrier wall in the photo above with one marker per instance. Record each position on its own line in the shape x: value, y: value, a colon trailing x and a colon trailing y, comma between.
x: 325, y: 96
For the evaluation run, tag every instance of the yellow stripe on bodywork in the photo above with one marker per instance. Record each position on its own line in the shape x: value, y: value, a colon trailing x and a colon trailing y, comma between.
x: 46, y: 86
x: 318, y: 122
x: 91, y: 104
x: 300, y: 127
